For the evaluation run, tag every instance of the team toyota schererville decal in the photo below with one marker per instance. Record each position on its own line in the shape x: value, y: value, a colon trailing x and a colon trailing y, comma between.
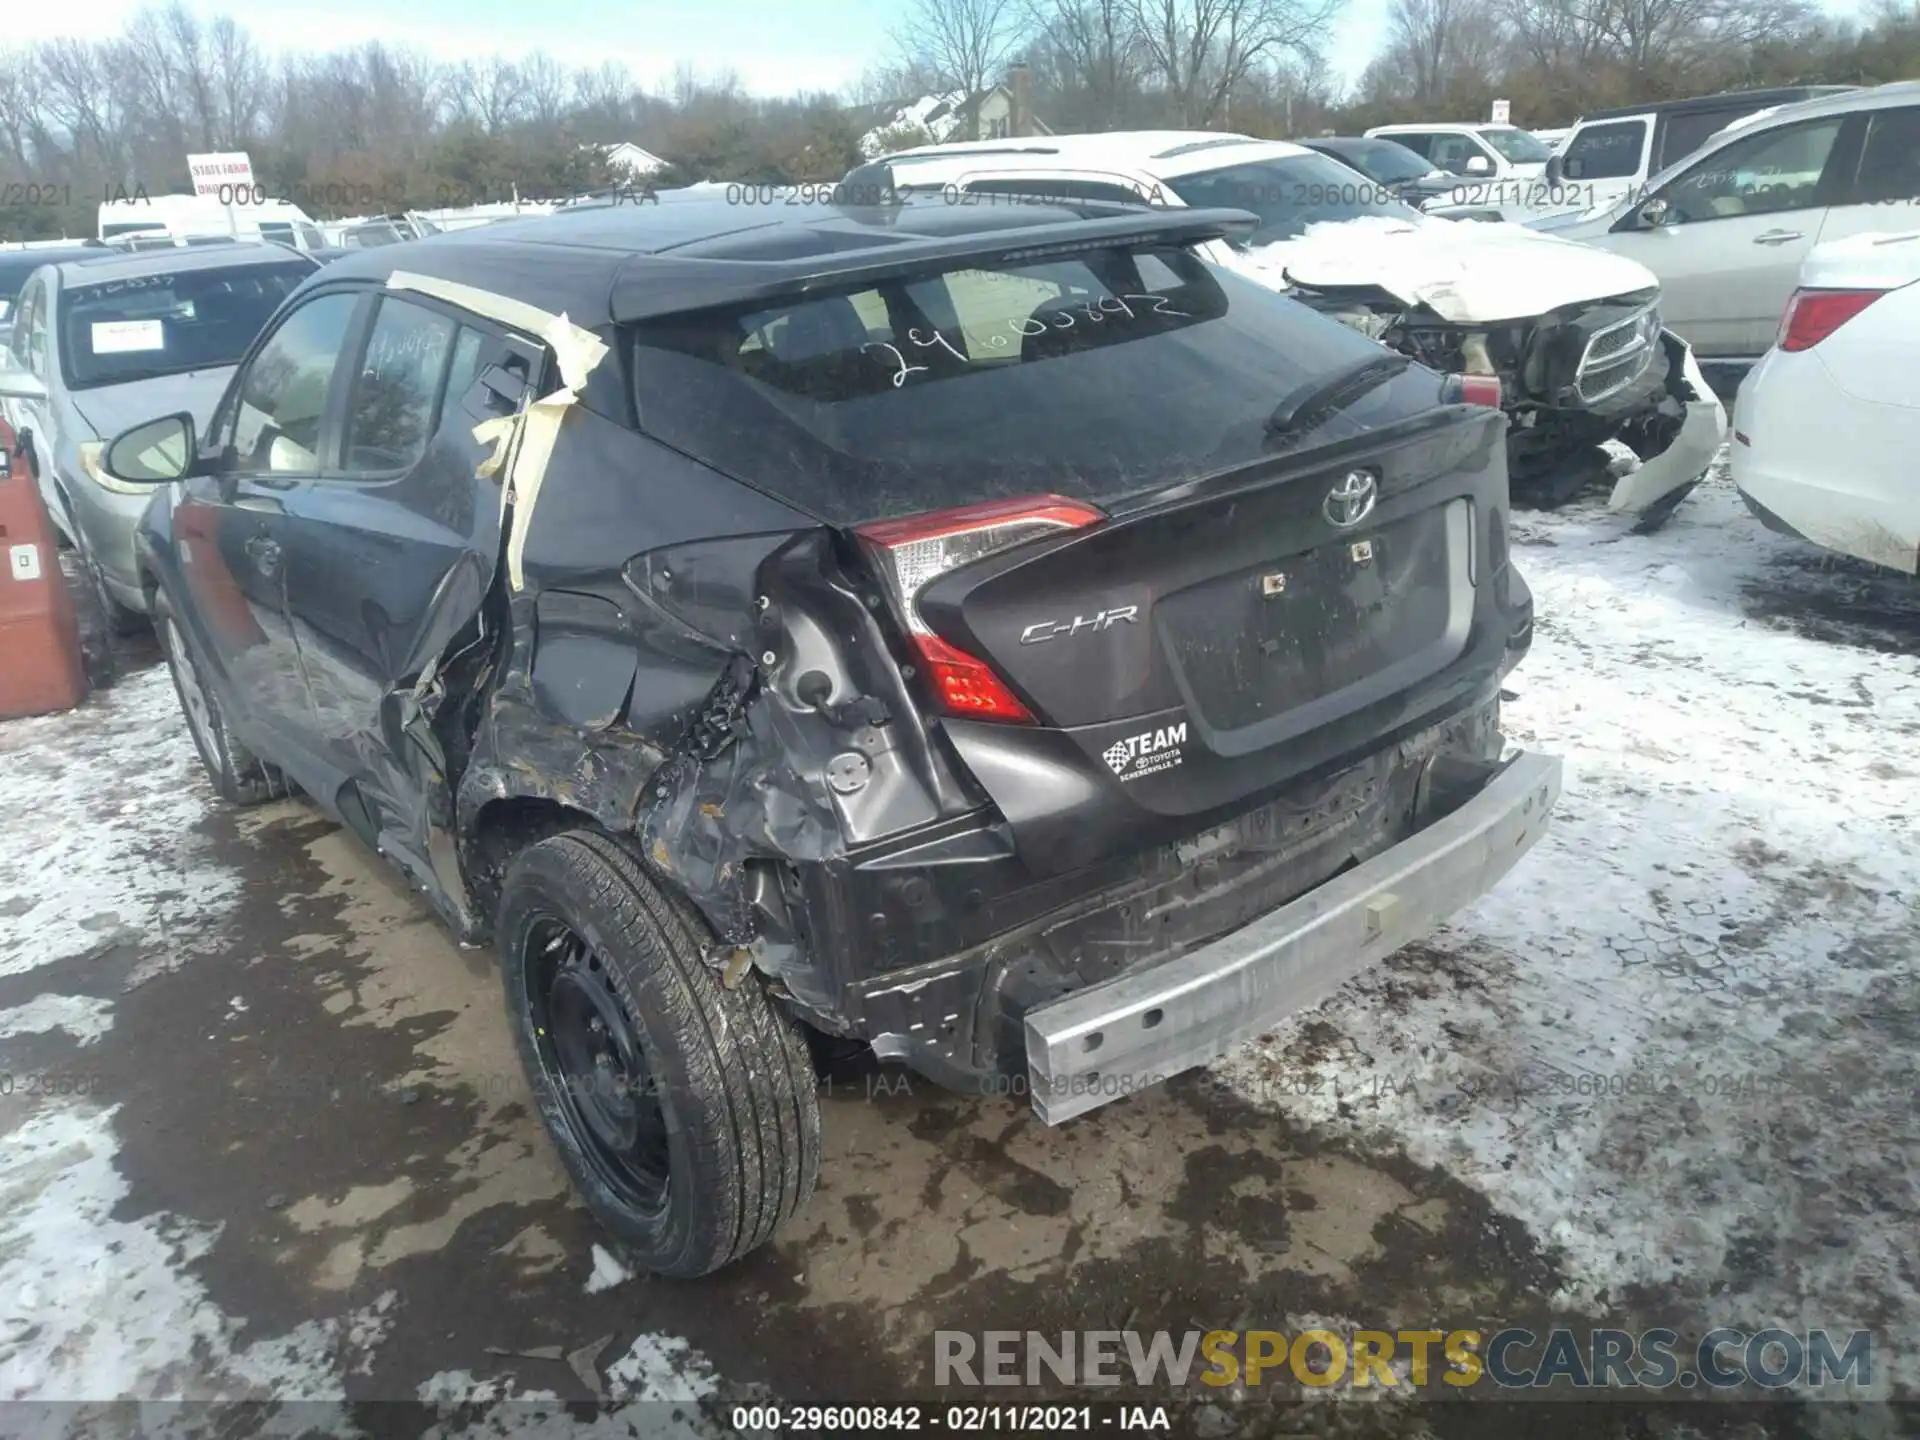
x: 1148, y: 753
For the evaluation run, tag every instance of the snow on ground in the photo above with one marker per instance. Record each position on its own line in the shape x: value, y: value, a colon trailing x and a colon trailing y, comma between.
x: 1678, y: 1043
x: 83, y: 864
x: 106, y: 881
x: 1679, y: 1040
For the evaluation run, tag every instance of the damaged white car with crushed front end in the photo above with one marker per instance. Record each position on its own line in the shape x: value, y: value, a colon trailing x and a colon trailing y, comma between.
x: 1565, y: 338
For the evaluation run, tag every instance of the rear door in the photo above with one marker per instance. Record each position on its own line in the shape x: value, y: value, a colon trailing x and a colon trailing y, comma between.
x: 1737, y: 225
x: 391, y: 547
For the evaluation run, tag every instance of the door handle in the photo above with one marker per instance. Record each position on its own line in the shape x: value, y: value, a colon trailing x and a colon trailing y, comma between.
x: 264, y: 551
x: 1777, y: 237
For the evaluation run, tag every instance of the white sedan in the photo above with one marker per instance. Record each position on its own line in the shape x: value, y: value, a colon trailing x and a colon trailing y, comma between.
x: 1827, y: 426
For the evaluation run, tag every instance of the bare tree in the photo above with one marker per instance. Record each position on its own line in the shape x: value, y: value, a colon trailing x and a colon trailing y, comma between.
x: 16, y: 108
x: 1093, y: 47
x: 603, y: 97
x: 1202, y: 49
x: 83, y: 91
x: 1563, y: 38
x: 544, y: 84
x: 1438, y: 44
x: 490, y: 93
x: 240, y: 83
x: 964, y: 42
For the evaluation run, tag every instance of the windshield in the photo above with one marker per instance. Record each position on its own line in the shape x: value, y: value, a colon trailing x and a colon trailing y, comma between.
x: 1385, y: 161
x: 1517, y: 145
x: 363, y: 237
x: 1095, y: 375
x: 1289, y: 194
x: 145, y: 325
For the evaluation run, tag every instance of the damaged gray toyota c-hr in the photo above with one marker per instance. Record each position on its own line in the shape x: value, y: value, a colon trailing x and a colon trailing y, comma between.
x: 999, y: 638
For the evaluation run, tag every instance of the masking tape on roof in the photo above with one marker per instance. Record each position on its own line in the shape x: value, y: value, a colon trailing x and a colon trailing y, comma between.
x: 521, y: 443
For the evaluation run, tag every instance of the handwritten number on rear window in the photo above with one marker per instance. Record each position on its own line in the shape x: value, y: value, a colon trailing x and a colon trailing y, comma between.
x: 1094, y: 312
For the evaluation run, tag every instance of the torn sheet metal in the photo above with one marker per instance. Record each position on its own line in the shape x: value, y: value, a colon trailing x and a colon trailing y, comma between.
x: 728, y: 795
x: 1702, y: 432
x: 521, y: 443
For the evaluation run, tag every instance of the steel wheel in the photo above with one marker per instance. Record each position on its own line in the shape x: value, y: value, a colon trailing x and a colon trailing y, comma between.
x: 590, y: 1050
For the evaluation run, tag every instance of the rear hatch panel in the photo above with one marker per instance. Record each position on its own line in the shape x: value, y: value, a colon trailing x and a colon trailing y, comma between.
x: 1198, y: 651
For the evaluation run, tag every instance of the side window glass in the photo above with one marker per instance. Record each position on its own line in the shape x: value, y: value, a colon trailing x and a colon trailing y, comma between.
x: 283, y: 399
x: 1760, y: 175
x: 1419, y: 144
x: 30, y: 329
x: 1606, y: 152
x: 1890, y: 160
x: 1451, y: 152
x: 466, y: 367
x: 396, y: 392
x: 1687, y: 133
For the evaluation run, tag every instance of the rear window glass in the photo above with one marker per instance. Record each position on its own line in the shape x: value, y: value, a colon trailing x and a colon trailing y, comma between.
x: 1095, y: 375
x: 139, y: 326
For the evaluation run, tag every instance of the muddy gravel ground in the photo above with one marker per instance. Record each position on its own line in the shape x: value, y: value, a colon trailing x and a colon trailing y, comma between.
x: 266, y: 1138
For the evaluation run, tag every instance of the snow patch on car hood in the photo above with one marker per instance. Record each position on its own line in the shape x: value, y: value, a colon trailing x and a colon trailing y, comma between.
x: 1466, y: 272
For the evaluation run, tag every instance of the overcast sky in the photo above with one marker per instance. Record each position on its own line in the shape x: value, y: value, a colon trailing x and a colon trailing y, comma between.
x: 775, y: 46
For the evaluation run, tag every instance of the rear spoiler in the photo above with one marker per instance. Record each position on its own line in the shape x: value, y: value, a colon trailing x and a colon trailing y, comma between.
x: 651, y: 286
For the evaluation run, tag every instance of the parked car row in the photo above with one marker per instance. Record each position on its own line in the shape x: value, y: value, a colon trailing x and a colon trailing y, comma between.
x: 1728, y: 227
x: 1568, y: 340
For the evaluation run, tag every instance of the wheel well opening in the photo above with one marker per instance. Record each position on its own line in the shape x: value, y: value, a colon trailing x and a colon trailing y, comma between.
x: 504, y: 828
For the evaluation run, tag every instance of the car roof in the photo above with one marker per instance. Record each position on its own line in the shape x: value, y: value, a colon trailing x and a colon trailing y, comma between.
x: 1341, y: 144
x: 1723, y: 100
x: 1163, y: 153
x: 602, y: 263
x: 18, y: 264
x: 1437, y: 127
x: 111, y: 264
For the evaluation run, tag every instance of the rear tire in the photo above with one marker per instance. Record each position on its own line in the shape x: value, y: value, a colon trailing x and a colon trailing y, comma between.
x: 685, y: 1112
x: 238, y: 775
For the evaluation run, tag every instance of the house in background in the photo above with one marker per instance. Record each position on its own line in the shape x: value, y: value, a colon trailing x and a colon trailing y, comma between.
x: 630, y: 162
x: 1004, y: 110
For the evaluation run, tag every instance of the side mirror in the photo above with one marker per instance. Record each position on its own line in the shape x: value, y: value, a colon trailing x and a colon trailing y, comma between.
x: 153, y: 453
x: 1557, y: 170
x: 1479, y: 165
x: 19, y: 383
x: 1655, y: 212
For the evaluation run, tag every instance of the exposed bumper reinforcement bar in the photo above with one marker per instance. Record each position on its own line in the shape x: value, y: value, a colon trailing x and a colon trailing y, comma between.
x: 1108, y: 1040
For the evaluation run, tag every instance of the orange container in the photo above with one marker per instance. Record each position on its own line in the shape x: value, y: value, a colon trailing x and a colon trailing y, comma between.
x: 41, y: 669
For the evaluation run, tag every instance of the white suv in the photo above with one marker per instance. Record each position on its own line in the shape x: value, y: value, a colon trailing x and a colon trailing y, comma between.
x: 1569, y: 336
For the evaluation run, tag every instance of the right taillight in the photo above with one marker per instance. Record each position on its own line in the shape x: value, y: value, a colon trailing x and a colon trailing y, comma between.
x: 914, y: 551
x: 1813, y: 315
